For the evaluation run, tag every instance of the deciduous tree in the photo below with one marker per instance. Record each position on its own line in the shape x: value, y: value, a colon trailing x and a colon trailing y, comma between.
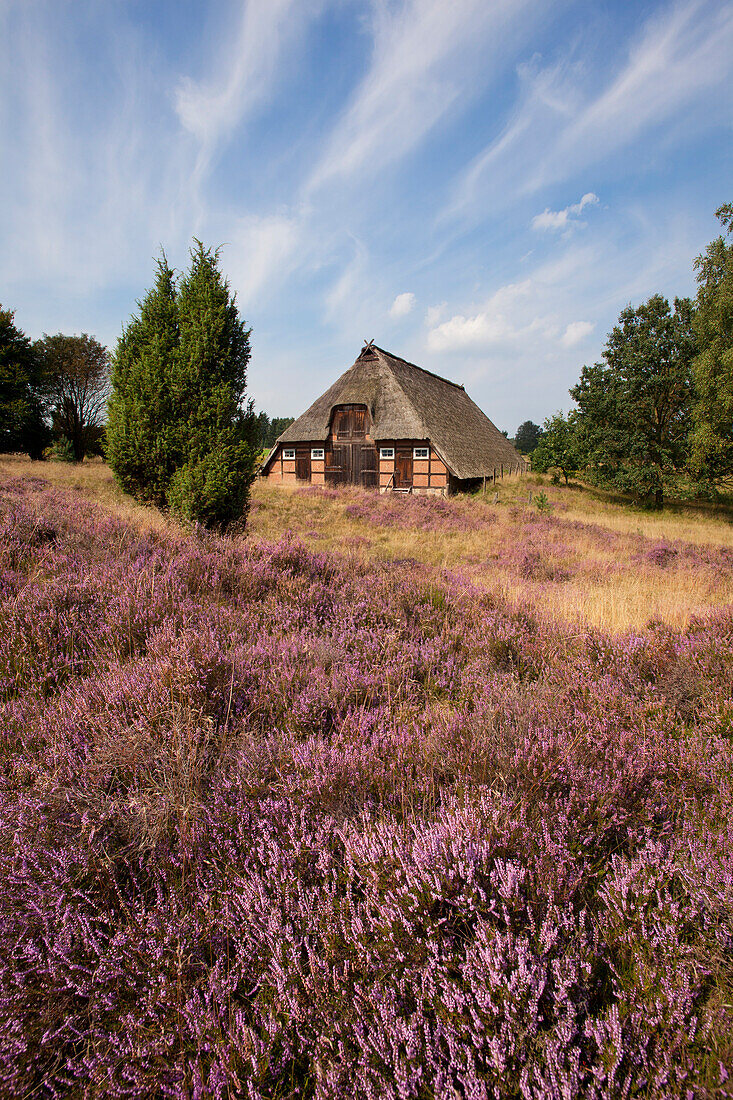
x: 76, y: 380
x: 712, y: 434
x: 557, y: 449
x: 635, y: 407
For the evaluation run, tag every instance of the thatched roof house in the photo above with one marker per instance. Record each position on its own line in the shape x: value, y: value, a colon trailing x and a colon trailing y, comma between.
x: 389, y: 424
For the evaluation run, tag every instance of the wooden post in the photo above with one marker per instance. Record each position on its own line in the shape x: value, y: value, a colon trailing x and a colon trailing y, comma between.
x: 484, y: 484
x: 494, y: 475
x: 502, y: 471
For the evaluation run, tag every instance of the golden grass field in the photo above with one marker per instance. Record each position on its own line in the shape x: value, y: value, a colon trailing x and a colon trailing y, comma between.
x: 589, y: 559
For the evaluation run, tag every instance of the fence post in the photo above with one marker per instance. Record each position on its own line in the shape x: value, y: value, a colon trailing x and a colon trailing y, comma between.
x: 502, y: 471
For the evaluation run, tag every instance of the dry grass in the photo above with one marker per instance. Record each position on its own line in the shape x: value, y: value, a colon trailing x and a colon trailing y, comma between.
x: 590, y: 562
x: 601, y: 582
x: 93, y: 479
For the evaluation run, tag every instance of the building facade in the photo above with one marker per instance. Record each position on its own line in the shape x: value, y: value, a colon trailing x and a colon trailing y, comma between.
x: 387, y: 424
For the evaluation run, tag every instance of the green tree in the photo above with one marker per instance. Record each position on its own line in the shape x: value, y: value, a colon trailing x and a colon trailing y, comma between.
x: 276, y: 427
x: 143, y: 440
x: 527, y: 437
x: 76, y: 380
x: 557, y: 449
x: 179, y: 432
x: 22, y: 395
x: 711, y: 438
x: 635, y: 407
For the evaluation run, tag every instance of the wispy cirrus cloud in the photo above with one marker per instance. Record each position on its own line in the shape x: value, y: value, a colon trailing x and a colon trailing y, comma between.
x: 563, y: 123
x: 261, y: 250
x: 244, y: 75
x: 427, y: 56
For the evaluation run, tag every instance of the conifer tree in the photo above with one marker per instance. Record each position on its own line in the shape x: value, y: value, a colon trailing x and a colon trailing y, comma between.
x: 179, y: 431
x: 140, y: 430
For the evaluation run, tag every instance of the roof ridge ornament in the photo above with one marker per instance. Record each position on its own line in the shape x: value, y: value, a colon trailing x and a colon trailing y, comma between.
x: 367, y: 349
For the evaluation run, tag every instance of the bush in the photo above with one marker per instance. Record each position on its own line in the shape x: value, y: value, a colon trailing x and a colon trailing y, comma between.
x: 213, y: 489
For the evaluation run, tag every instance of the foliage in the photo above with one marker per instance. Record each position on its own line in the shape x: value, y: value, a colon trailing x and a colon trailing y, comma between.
x: 76, y: 381
x: 179, y: 434
x: 142, y: 438
x: 635, y: 407
x: 527, y: 437
x: 22, y: 424
x: 541, y: 502
x: 279, y: 824
x: 712, y: 434
x: 268, y: 430
x: 557, y: 448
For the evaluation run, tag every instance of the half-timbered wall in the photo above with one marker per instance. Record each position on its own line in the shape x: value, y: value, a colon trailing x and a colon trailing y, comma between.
x: 402, y: 469
x: 354, y: 459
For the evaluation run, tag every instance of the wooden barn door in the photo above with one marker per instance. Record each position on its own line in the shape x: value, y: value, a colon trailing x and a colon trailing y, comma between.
x: 403, y: 469
x: 351, y: 459
x: 368, y: 466
x: 302, y: 465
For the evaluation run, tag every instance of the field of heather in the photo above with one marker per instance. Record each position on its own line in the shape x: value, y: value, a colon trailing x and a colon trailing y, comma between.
x: 383, y: 799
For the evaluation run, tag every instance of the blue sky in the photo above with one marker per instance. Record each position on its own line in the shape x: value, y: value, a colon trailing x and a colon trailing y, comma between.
x: 479, y: 186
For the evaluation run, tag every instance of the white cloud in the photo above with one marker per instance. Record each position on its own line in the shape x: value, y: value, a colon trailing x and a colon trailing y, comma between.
x: 264, y: 250
x: 564, y: 122
x: 428, y: 54
x: 435, y: 314
x: 211, y: 108
x: 561, y: 219
x: 681, y: 53
x: 527, y: 317
x: 402, y: 305
x: 576, y: 333
x: 504, y: 319
x: 346, y: 298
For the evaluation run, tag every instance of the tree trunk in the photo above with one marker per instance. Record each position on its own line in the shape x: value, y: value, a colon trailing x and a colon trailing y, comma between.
x: 659, y: 498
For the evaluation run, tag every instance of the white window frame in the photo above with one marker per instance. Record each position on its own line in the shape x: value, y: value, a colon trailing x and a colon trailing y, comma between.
x: 317, y: 453
x: 386, y: 452
x: 288, y: 454
x: 421, y: 452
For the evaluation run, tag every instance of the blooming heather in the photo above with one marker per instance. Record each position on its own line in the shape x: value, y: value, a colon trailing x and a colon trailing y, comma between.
x: 283, y: 824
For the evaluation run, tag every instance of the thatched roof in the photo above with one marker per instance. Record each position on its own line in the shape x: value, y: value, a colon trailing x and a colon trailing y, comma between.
x: 407, y: 402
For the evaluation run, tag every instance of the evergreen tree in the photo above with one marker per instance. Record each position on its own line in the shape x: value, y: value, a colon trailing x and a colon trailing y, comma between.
x: 270, y: 430
x: 22, y: 392
x: 179, y: 432
x: 142, y: 438
x: 712, y: 435
x: 635, y: 407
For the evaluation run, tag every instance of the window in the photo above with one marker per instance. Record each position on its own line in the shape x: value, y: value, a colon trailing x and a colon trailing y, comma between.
x: 421, y: 452
x: 317, y: 452
x: 288, y: 452
x: 386, y: 452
